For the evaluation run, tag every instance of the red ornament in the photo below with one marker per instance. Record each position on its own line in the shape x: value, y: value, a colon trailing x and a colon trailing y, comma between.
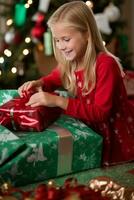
x: 37, y: 32
x: 53, y: 193
x: 40, y: 192
x: 39, y: 29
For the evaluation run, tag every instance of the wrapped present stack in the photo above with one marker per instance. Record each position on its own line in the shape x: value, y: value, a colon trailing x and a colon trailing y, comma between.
x: 65, y: 147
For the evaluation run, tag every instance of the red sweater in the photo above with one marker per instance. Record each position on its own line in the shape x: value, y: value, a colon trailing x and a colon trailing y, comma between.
x: 106, y: 109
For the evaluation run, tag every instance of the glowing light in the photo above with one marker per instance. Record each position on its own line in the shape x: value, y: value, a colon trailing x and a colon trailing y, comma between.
x: 89, y: 4
x: 0, y: 72
x: 14, y: 70
x: 27, y: 5
x: 27, y: 39
x: 9, y: 22
x: 104, y: 43
x: 1, y: 60
x: 30, y: 2
x: 25, y: 52
x: 7, y: 52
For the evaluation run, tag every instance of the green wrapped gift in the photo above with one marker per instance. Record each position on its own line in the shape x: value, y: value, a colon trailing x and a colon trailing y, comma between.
x: 87, y: 145
x: 66, y: 147
x: 8, y: 144
x: 7, y: 95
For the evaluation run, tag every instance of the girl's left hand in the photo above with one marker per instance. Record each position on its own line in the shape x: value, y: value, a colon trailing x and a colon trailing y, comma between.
x: 42, y: 99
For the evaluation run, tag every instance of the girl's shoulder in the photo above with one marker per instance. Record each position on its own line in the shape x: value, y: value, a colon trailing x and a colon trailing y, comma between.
x: 105, y: 57
x: 106, y: 63
x: 106, y: 60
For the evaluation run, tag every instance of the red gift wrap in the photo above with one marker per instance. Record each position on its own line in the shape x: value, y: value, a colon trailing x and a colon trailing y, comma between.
x: 16, y: 116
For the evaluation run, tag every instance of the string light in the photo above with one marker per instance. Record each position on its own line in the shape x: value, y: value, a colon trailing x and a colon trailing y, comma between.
x: 25, y: 52
x: 9, y: 22
x: 104, y: 43
x: 27, y: 5
x: 89, y: 4
x: 7, y: 52
x: 30, y: 2
x: 14, y: 70
x: 27, y: 39
x: 1, y: 60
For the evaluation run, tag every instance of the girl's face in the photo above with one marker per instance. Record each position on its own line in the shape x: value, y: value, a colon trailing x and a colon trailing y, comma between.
x: 71, y: 43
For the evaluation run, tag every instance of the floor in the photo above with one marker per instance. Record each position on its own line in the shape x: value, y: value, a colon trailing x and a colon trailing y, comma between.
x: 122, y: 174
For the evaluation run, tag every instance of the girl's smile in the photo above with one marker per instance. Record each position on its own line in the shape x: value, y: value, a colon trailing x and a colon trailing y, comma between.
x: 69, y: 55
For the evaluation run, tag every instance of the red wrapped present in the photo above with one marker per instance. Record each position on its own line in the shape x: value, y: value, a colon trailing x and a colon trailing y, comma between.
x: 15, y: 115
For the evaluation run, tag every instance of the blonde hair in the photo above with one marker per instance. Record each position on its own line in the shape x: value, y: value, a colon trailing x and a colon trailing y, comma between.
x: 78, y: 15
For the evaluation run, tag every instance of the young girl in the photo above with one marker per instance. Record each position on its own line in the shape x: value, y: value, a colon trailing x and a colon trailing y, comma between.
x: 93, y: 76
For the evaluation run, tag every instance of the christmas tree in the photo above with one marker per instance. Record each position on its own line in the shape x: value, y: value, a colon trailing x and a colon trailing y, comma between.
x: 24, y: 28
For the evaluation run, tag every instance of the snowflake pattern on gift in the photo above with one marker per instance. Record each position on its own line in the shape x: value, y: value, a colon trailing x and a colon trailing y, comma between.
x: 84, y: 134
x: 7, y: 95
x: 83, y: 157
x: 6, y: 135
x: 37, y: 154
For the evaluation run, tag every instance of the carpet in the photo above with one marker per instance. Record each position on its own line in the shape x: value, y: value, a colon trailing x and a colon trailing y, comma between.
x: 122, y: 174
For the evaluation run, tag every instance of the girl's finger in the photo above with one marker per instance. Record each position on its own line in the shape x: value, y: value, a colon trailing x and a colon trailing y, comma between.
x: 40, y: 89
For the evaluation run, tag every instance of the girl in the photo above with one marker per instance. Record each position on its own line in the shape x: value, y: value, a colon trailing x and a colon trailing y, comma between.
x: 93, y: 76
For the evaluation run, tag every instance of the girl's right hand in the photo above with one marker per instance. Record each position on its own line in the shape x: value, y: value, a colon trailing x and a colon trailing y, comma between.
x: 35, y: 84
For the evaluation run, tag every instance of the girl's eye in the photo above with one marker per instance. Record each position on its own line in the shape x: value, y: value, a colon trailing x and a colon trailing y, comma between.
x: 66, y: 39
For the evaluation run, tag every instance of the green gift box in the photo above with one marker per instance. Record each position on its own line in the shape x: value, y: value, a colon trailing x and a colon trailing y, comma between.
x: 66, y: 147
x: 7, y: 95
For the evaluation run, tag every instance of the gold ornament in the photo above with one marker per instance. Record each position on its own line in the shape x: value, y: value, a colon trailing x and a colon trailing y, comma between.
x: 111, y: 189
x: 97, y: 185
x: 51, y: 183
x: 5, y: 187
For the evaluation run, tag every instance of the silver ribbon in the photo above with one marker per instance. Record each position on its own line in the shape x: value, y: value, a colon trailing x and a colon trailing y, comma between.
x: 65, y: 150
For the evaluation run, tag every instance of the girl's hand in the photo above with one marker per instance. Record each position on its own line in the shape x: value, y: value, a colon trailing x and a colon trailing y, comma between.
x: 47, y: 99
x: 35, y: 84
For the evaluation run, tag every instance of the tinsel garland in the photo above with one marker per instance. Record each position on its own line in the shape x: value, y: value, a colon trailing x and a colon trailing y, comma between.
x: 100, y: 188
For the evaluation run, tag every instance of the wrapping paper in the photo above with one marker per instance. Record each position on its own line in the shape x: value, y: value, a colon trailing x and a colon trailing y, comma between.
x: 7, y: 95
x: 51, y: 153
x: 65, y: 147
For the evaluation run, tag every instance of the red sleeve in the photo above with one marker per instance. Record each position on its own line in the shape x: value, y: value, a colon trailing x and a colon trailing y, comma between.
x: 52, y: 81
x: 108, y: 77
